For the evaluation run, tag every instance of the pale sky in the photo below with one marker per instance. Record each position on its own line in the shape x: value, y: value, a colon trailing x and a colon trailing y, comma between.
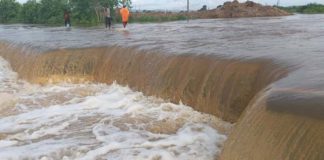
x: 197, y: 4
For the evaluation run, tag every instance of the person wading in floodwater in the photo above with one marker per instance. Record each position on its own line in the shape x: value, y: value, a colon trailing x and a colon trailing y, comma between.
x: 125, y: 14
x: 67, y: 21
x: 107, y: 17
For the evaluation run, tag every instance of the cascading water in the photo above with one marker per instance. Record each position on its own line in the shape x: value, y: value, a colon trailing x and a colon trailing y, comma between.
x: 264, y: 74
x: 98, y: 121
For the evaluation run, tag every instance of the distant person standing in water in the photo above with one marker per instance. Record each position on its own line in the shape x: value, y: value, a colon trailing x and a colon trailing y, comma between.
x: 125, y: 14
x: 107, y: 17
x: 67, y: 21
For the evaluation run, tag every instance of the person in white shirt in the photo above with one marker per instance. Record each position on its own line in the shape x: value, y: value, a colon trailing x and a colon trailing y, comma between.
x: 107, y: 17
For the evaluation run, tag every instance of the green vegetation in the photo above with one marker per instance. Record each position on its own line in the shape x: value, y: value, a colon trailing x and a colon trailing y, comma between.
x: 312, y: 8
x: 29, y: 12
x: 82, y: 12
x: 9, y: 11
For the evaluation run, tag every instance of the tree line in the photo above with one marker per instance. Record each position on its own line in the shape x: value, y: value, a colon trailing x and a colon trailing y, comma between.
x: 82, y: 12
x: 312, y: 8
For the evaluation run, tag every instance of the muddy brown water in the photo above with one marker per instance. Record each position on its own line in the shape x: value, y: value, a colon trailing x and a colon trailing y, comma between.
x: 265, y: 74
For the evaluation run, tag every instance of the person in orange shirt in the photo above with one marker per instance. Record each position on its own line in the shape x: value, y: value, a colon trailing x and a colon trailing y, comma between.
x: 125, y: 14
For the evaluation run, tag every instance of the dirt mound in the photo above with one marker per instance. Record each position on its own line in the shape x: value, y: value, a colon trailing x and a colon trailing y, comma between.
x: 236, y: 10
x: 227, y: 10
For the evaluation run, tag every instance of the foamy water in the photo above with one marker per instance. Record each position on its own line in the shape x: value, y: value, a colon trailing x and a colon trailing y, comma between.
x: 98, y: 121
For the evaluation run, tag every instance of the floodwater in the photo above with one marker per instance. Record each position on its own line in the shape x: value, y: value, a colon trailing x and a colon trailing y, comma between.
x: 293, y: 40
x: 99, y: 121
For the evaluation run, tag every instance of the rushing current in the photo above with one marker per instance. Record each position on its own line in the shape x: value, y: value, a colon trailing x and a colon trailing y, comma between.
x: 294, y: 40
x: 98, y: 121
x: 101, y: 121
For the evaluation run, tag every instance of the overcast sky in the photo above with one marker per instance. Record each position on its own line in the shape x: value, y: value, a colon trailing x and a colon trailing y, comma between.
x: 196, y: 4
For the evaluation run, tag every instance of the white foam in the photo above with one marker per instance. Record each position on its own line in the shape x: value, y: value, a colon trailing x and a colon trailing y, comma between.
x: 98, y: 121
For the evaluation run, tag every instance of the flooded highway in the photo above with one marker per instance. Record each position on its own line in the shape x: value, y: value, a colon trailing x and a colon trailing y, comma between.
x: 296, y: 40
